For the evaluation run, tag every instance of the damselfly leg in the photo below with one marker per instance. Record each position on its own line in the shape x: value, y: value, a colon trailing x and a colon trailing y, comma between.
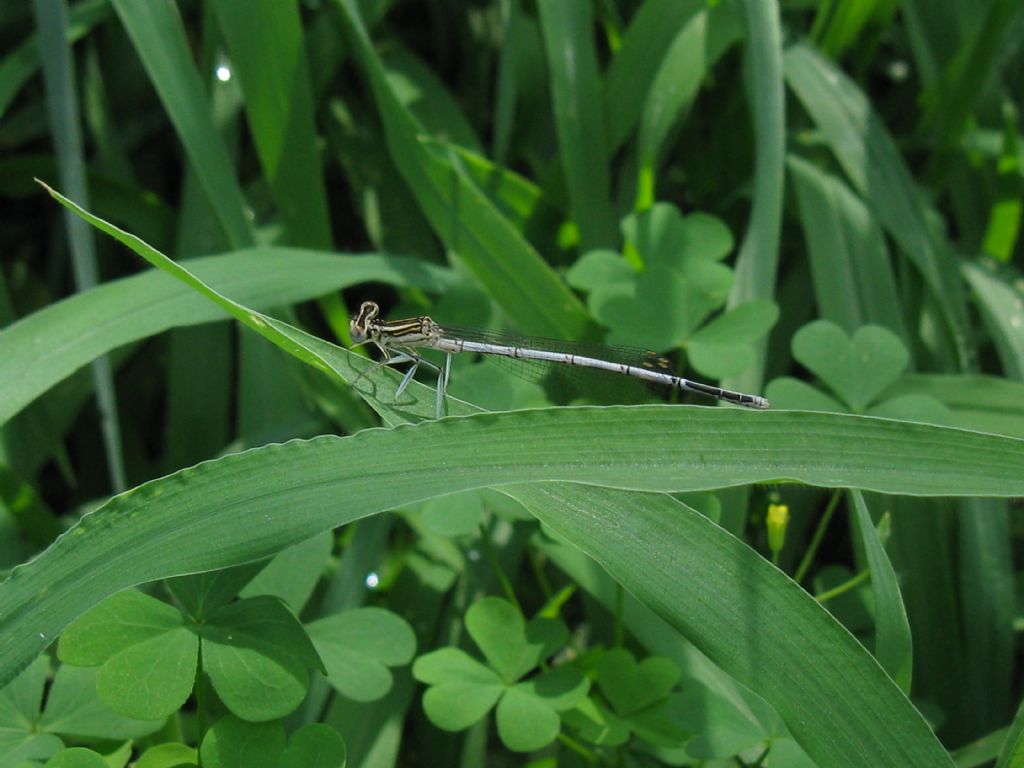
x: 397, y: 357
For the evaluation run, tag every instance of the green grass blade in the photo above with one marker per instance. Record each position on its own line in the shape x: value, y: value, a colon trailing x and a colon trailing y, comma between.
x: 321, y: 355
x: 840, y: 24
x: 267, y: 50
x: 630, y: 74
x: 988, y: 605
x: 646, y: 627
x: 381, y: 197
x: 567, y: 27
x: 980, y: 752
x: 982, y: 403
x: 65, y: 128
x: 758, y: 260
x: 1012, y: 753
x: 854, y: 283
x: 44, y: 348
x: 246, y: 506
x: 199, y: 387
x: 266, y: 42
x: 506, y: 86
x: 149, y: 216
x: 935, y: 30
x: 157, y: 32
x: 846, y: 449
x: 18, y: 66
x: 701, y: 42
x: 723, y: 447
x: 748, y: 618
x: 948, y: 108
x: 603, y: 446
x: 423, y: 93
x: 493, y: 250
x: 518, y: 199
x: 626, y: 447
x: 1000, y: 303
x: 870, y: 158
x: 925, y: 470
x: 922, y: 546
x: 893, y: 647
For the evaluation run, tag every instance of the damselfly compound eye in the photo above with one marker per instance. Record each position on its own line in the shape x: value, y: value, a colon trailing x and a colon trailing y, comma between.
x: 359, y: 326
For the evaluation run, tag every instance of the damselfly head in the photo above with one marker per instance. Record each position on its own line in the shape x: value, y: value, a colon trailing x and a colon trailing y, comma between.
x: 359, y: 326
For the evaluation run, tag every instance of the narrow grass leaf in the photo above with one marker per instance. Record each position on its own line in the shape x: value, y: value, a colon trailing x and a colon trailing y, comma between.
x: 65, y: 127
x: 981, y: 403
x: 567, y: 27
x: 423, y: 93
x: 870, y: 158
x: 650, y: 33
x: 949, y: 106
x: 519, y: 199
x: 493, y: 250
x: 266, y: 43
x: 21, y: 63
x: 692, y: 55
x: 1002, y: 309
x: 381, y: 197
x: 987, y: 594
x: 158, y: 34
x: 46, y: 347
x: 893, y: 647
x: 1012, y: 753
x: 854, y: 283
x: 749, y: 619
x: 758, y: 258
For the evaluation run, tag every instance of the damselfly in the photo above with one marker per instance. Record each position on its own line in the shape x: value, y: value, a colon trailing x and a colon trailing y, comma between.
x: 399, y: 340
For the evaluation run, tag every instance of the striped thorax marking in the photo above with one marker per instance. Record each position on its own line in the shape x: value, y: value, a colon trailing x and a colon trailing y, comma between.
x: 414, y: 332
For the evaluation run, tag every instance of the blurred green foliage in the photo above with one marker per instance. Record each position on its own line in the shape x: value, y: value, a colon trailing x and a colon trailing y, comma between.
x: 820, y: 200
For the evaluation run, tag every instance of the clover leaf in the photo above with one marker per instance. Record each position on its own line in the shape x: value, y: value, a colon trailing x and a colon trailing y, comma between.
x: 856, y: 370
x: 358, y: 646
x: 170, y: 754
x: 145, y: 653
x: 77, y: 757
x: 258, y: 658
x: 235, y: 743
x: 723, y: 729
x: 463, y: 690
x: 637, y: 699
x: 30, y: 735
x: 669, y: 282
x: 20, y: 701
x: 512, y: 647
x: 630, y: 687
x: 596, y: 723
x: 254, y: 650
x: 722, y: 347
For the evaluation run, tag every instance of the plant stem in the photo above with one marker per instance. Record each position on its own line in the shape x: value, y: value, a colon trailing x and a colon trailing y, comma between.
x: 819, y: 534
